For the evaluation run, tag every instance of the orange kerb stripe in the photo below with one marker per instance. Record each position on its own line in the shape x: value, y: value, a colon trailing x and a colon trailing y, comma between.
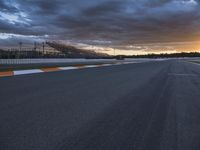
x: 50, y: 69
x: 6, y: 73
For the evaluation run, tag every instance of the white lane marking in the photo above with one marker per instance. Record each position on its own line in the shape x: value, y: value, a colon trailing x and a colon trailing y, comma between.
x: 107, y: 65
x: 67, y: 68
x: 132, y: 62
x: 129, y: 62
x: 90, y: 66
x: 21, y: 72
x: 119, y: 63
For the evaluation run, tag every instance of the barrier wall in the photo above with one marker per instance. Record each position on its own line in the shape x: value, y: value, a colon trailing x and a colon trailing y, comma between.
x: 52, y: 60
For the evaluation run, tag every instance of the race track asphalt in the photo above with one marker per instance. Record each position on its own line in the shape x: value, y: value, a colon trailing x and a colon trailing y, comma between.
x: 144, y: 106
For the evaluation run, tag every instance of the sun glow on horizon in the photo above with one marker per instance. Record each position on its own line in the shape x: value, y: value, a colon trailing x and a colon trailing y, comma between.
x: 143, y: 49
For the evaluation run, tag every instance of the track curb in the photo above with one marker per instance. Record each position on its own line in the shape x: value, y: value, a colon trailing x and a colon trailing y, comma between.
x: 53, y: 69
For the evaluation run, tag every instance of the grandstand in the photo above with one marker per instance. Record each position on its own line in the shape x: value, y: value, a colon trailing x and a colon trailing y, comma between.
x: 49, y: 50
x: 73, y: 52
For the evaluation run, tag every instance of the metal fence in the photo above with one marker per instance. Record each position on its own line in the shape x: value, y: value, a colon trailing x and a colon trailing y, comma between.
x: 49, y: 60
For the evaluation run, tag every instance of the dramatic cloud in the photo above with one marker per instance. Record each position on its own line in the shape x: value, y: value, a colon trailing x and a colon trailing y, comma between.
x: 139, y: 25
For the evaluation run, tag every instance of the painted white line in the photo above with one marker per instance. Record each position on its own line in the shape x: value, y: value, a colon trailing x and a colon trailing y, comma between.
x: 132, y: 62
x: 127, y: 63
x: 21, y: 72
x: 91, y: 66
x: 117, y: 64
x: 107, y: 65
x: 67, y: 68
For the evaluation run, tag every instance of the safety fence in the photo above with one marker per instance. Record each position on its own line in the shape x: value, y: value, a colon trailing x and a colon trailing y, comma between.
x: 50, y: 60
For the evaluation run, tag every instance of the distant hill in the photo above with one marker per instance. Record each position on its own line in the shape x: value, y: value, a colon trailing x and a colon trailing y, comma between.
x: 73, y: 52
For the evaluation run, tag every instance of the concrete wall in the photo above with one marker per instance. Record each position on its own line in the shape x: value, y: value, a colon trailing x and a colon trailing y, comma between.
x: 48, y: 60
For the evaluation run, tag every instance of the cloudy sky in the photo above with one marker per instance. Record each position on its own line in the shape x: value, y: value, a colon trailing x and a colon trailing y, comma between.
x: 128, y: 26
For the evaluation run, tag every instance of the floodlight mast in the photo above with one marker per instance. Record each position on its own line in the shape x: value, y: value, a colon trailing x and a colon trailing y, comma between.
x: 35, y: 46
x: 43, y: 48
x: 20, y: 46
x: 20, y: 49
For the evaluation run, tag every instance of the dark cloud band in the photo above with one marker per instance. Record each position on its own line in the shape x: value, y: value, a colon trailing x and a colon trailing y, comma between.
x: 121, y: 22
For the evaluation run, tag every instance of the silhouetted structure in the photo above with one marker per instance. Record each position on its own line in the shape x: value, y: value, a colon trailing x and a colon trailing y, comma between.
x: 73, y: 52
x: 50, y: 50
x: 57, y: 50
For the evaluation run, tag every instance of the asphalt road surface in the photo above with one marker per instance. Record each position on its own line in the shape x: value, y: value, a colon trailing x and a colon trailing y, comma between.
x: 144, y: 106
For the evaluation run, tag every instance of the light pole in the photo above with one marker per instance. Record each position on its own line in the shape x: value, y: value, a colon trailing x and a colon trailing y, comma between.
x: 20, y: 48
x: 43, y: 48
x: 35, y: 46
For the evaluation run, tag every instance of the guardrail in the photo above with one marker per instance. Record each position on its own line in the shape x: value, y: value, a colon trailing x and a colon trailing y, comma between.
x: 49, y: 60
